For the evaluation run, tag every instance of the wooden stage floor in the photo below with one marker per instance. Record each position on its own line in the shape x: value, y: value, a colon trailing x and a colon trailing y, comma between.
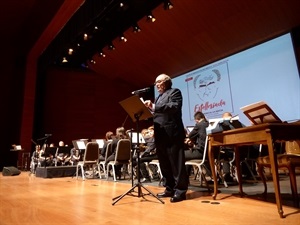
x: 29, y: 200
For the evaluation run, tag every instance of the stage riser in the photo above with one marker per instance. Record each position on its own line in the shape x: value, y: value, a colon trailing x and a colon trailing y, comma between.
x: 55, y: 171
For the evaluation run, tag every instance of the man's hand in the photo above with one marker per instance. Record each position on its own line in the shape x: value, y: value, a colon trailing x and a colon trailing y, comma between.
x: 148, y: 104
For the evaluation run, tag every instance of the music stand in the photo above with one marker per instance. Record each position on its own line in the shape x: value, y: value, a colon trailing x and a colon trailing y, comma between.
x: 260, y: 112
x: 137, y: 111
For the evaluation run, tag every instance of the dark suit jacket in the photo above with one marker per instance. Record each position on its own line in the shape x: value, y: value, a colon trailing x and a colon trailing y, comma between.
x: 228, y: 125
x: 198, y: 135
x: 167, y: 117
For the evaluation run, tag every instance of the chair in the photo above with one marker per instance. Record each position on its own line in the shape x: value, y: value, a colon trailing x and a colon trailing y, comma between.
x: 101, y: 164
x: 122, y: 156
x: 156, y: 163
x: 290, y: 160
x: 90, y: 158
x: 219, y: 163
x: 199, y: 163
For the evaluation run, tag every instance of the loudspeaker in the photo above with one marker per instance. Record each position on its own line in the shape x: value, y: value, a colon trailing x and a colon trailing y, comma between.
x: 10, y: 171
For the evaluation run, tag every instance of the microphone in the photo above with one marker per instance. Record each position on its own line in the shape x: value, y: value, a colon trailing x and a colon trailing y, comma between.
x: 141, y: 91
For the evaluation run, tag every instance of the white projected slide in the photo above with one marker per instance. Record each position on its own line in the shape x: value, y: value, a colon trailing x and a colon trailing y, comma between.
x: 267, y: 72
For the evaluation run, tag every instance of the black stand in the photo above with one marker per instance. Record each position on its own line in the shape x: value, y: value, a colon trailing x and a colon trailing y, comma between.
x: 137, y: 111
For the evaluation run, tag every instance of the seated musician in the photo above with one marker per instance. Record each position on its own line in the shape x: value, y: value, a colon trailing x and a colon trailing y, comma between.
x: 196, y: 137
x: 226, y: 154
x: 108, y: 138
x: 61, y: 157
x: 148, y: 153
x: 120, y: 134
x: 74, y: 156
x: 46, y: 158
x: 35, y: 159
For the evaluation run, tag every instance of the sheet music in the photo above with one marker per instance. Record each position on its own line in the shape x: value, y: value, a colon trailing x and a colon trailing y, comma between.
x: 213, y: 124
x: 100, y: 142
x: 135, y: 139
x: 80, y: 145
x: 189, y: 129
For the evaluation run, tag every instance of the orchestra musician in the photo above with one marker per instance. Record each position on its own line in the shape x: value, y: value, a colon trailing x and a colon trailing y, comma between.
x: 61, y: 157
x: 74, y: 156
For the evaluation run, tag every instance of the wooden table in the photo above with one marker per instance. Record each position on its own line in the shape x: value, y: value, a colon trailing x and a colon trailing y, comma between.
x: 257, y: 134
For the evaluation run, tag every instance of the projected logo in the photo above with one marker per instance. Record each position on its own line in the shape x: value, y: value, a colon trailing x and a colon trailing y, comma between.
x: 209, y: 90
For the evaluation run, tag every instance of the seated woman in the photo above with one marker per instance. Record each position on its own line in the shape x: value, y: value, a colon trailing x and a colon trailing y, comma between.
x: 120, y: 134
x: 109, y: 137
x: 74, y: 156
x: 37, y: 159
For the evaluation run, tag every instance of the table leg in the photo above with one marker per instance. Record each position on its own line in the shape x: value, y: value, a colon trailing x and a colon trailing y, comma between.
x: 238, y: 169
x: 274, y: 169
x: 213, y: 171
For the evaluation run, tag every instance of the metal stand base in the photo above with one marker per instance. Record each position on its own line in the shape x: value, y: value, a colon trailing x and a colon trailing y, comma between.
x: 138, y: 185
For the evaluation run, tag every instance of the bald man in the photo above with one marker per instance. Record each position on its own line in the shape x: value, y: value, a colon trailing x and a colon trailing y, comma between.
x: 169, y: 138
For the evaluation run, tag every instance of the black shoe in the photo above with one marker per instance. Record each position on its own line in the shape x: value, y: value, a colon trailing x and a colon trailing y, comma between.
x: 178, y: 198
x: 118, y: 174
x: 165, y: 194
x: 146, y: 180
x: 212, y: 181
x: 228, y: 178
x: 156, y: 178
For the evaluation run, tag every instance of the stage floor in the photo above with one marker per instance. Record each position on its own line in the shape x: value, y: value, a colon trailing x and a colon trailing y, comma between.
x: 29, y: 200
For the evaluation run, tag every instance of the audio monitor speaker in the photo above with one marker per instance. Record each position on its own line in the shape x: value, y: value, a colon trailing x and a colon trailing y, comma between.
x: 10, y: 171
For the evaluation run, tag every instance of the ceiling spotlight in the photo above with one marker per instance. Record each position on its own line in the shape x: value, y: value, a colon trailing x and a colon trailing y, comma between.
x: 70, y: 52
x: 121, y: 4
x: 150, y: 18
x: 85, y: 37
x: 64, y: 60
x: 92, y: 61
x: 136, y: 28
x: 123, y: 38
x: 101, y: 53
x: 111, y: 46
x: 168, y: 5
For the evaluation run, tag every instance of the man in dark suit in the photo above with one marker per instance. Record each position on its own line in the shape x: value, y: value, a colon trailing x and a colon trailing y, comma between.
x: 198, y: 138
x: 169, y: 138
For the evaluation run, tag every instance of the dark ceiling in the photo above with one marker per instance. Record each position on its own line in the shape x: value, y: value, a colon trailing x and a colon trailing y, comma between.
x: 192, y: 34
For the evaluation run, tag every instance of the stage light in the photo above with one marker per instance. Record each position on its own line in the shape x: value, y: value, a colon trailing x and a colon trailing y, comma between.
x: 85, y: 37
x: 64, y: 60
x: 111, y: 46
x: 150, y: 18
x: 102, y: 54
x: 70, y: 52
x: 123, y: 38
x: 136, y: 28
x: 92, y: 61
x: 168, y: 5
